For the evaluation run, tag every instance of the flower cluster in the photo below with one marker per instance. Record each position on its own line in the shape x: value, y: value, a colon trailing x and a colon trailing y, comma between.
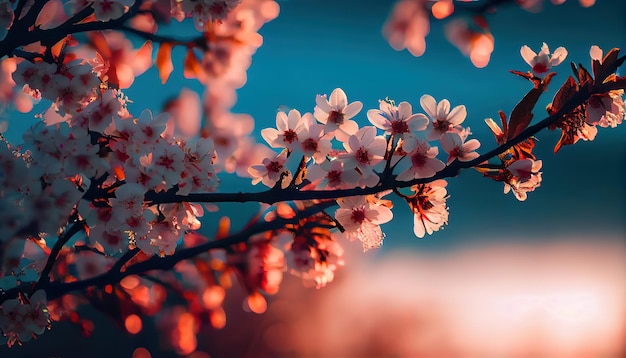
x: 333, y: 152
x: 24, y: 317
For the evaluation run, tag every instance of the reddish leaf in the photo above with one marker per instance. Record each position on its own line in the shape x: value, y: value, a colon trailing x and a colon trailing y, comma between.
x: 584, y: 77
x: 522, y: 113
x: 164, y: 61
x: 608, y: 66
x: 563, y: 95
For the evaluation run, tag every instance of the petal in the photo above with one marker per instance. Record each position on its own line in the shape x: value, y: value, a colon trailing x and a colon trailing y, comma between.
x: 352, y: 109
x: 450, y: 141
x: 596, y: 53
x: 320, y: 115
x: 417, y: 122
x: 429, y: 105
x: 367, y: 135
x: 527, y: 54
x: 469, y: 156
x: 270, y: 135
x: 378, y: 146
x: 377, y: 119
x: 558, y: 56
x: 322, y: 103
x: 418, y: 226
x: 409, y: 144
x: 457, y: 115
x: 293, y: 119
x: 443, y: 108
x: 347, y: 129
x: 471, y: 145
x: 405, y: 110
x: 281, y: 121
x: 338, y: 99
x: 353, y: 144
x: 384, y: 215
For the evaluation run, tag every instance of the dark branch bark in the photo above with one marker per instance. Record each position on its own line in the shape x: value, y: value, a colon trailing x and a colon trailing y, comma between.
x: 57, y: 289
x: 276, y: 195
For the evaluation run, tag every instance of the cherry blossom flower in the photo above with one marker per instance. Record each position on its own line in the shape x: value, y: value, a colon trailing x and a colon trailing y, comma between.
x: 543, y: 61
x: 336, y: 113
x: 524, y: 177
x: 407, y: 26
x: 455, y: 145
x: 270, y: 171
x: 606, y: 109
x: 429, y: 207
x: 397, y: 120
x: 312, y: 252
x: 420, y: 162
x: 364, y: 150
x: 361, y: 218
x: 314, y: 143
x: 286, y: 136
x: 477, y: 44
x: 128, y: 201
x: 332, y: 175
x: 24, y: 317
x: 442, y: 118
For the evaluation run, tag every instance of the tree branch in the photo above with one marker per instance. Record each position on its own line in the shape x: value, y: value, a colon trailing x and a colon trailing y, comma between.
x: 57, y: 289
x: 44, y: 279
x: 275, y: 195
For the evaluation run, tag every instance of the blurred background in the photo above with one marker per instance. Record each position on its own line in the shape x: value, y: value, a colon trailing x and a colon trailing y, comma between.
x: 540, y: 278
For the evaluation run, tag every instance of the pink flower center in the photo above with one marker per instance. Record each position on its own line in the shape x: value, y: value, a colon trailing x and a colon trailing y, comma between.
x: 336, y: 117
x: 166, y: 162
x: 334, y: 177
x: 362, y: 156
x: 358, y: 216
x: 398, y: 127
x: 275, y: 167
x: 441, y: 125
x: 418, y: 160
x: 310, y: 145
x: 289, y: 136
x: 540, y: 68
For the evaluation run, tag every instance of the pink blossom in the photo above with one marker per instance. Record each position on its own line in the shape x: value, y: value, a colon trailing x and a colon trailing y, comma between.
x: 397, y: 120
x: 364, y: 150
x: 420, y: 161
x: 24, y: 317
x: 542, y: 62
x: 270, y: 171
x: 407, y: 26
x: 314, y: 143
x: 286, y: 136
x: 361, y: 218
x: 336, y: 113
x: 428, y: 204
x: 457, y: 148
x: 442, y: 118
x: 332, y: 175
x: 524, y: 177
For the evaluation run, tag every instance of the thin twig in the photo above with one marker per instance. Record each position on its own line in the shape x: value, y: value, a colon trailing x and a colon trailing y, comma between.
x: 44, y: 279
